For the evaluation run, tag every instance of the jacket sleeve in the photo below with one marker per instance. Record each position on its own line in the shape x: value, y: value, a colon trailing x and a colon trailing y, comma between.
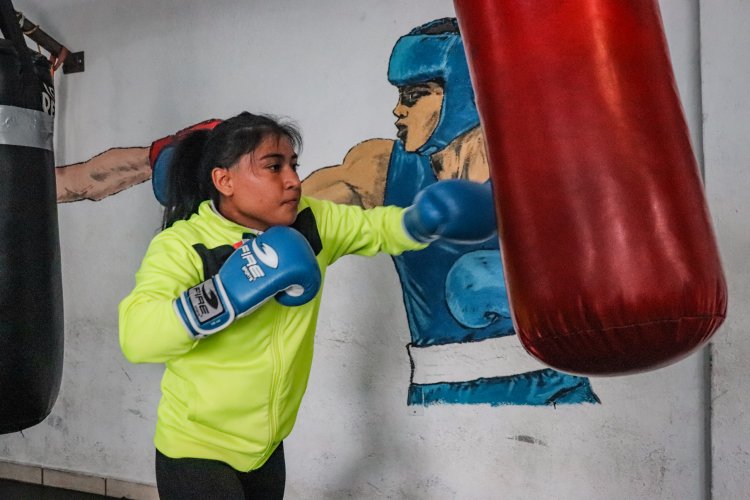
x: 150, y: 330
x: 347, y: 229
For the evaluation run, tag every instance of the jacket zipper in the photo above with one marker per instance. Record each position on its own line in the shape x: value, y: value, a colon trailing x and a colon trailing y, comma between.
x: 276, y: 376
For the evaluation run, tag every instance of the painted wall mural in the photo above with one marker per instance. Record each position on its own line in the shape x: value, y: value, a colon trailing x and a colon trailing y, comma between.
x: 463, y: 349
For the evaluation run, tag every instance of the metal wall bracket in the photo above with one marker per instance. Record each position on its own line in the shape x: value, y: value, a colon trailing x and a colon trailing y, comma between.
x: 73, y: 63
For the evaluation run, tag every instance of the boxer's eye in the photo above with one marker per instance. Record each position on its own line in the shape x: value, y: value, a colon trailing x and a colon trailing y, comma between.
x: 410, y: 95
x: 410, y: 98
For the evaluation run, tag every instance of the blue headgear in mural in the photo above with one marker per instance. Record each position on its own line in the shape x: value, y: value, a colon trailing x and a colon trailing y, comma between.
x: 420, y: 57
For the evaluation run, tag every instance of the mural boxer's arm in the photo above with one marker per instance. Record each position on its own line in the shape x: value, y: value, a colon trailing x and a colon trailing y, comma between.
x: 116, y: 169
x: 359, y: 180
x: 103, y: 175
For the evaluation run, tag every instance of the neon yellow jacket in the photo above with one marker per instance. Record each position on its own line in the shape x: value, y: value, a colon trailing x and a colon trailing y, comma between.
x: 234, y: 396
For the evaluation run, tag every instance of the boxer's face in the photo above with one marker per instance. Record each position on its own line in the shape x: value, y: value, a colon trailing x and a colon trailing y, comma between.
x: 418, y: 113
x: 262, y: 189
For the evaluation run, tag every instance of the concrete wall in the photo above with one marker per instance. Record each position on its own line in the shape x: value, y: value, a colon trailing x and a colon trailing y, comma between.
x: 153, y: 67
x: 726, y: 130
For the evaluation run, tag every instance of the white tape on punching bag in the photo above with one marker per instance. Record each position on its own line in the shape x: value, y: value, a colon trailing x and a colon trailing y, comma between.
x: 31, y: 313
x: 26, y: 127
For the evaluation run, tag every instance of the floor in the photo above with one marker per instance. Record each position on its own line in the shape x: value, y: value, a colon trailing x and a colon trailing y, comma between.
x: 14, y: 490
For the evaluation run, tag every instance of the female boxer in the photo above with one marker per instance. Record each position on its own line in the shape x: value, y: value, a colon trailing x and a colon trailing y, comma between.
x: 227, y: 298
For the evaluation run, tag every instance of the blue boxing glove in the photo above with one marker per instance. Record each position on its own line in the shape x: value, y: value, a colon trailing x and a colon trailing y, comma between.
x: 455, y: 210
x: 278, y: 263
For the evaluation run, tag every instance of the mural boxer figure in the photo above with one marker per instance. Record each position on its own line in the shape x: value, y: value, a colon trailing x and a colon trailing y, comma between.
x: 454, y: 296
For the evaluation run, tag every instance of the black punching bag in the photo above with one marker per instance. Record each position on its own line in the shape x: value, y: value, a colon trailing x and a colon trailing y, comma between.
x: 31, y: 313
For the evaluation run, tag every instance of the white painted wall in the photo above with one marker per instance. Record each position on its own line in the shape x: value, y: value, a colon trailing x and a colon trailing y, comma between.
x: 155, y: 66
x: 726, y: 110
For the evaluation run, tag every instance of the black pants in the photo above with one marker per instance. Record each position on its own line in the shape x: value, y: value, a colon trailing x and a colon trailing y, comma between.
x: 201, y: 479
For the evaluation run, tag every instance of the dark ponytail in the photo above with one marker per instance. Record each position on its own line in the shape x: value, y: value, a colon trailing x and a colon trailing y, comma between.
x: 184, y: 190
x: 198, y: 153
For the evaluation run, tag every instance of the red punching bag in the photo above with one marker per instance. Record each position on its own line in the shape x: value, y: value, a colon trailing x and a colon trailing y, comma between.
x: 610, y: 259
